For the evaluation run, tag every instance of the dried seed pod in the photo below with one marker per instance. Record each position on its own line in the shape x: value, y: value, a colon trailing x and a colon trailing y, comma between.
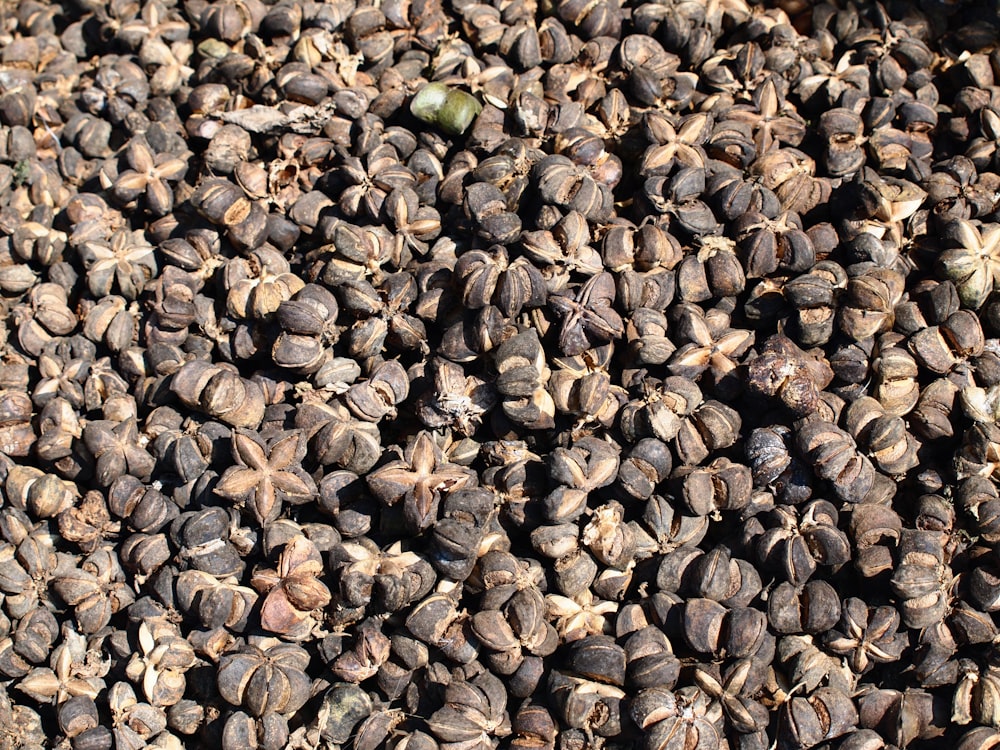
x: 902, y: 716
x: 834, y: 457
x: 866, y: 635
x: 266, y: 473
x: 722, y: 485
x: 650, y: 661
x: 534, y: 728
x: 599, y: 658
x: 784, y: 370
x: 932, y: 415
x: 522, y: 374
x: 460, y: 531
x: 609, y: 538
x: 703, y: 624
x: 344, y: 707
x: 336, y: 438
x: 161, y: 663
x: 744, y: 715
x: 712, y: 426
x: 419, y: 478
x: 979, y: 498
x: 203, y: 537
x: 812, y: 608
x: 968, y: 262
x: 370, y: 651
x: 487, y: 206
x: 668, y: 718
x: 488, y: 276
x: 980, y: 738
x: 824, y: 715
x: 647, y: 464
x: 293, y: 590
x: 472, y: 709
x: 795, y: 544
x: 922, y: 576
x: 219, y: 392
x: 96, y: 589
x: 42, y: 495
x: 214, y: 602
x: 583, y: 704
x: 892, y: 447
x: 265, y: 680
x: 563, y: 184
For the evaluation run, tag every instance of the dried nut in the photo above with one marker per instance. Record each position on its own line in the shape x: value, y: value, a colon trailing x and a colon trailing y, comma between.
x: 344, y: 707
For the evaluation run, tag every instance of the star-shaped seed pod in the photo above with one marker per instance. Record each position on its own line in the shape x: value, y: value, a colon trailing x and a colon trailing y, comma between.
x: 125, y: 261
x: 711, y: 345
x: 733, y: 687
x: 118, y: 450
x: 149, y: 177
x: 370, y: 180
x: 866, y: 635
x: 588, y: 315
x: 268, y: 473
x: 293, y: 590
x: 568, y: 186
x: 798, y: 541
x: 675, y: 142
x: 159, y: 666
x: 419, y: 477
x: 60, y: 379
x: 579, y: 616
x: 75, y: 671
x: 973, y: 260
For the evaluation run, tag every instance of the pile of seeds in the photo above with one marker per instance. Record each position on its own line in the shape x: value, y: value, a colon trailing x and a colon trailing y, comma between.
x: 445, y: 375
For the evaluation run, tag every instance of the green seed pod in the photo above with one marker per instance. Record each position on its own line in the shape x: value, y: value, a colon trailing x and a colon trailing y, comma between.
x: 458, y: 112
x: 451, y: 110
x: 428, y: 102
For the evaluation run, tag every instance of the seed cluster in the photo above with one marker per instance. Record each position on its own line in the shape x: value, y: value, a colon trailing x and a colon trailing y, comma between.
x: 455, y: 375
